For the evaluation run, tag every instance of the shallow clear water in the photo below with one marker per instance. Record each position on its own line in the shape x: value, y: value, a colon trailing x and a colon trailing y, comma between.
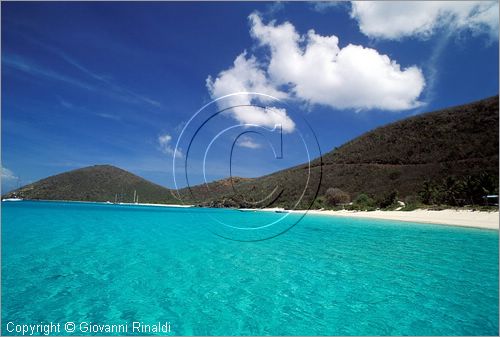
x: 112, y: 264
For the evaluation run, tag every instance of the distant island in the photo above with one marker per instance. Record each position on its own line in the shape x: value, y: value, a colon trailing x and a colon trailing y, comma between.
x: 447, y: 157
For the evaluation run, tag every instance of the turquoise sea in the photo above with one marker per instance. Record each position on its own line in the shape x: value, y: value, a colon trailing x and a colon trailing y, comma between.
x: 111, y: 264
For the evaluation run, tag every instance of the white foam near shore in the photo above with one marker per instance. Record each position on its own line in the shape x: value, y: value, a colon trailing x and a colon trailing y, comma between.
x: 463, y: 218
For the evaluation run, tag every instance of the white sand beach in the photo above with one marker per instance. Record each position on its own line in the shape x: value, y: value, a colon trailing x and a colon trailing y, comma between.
x: 463, y: 218
x: 452, y: 217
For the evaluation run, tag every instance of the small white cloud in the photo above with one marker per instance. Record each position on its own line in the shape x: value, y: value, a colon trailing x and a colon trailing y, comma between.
x: 398, y: 19
x: 164, y: 142
x: 108, y: 116
x: 248, y: 142
x: 324, y: 6
x: 8, y: 180
x: 8, y: 174
x: 65, y: 104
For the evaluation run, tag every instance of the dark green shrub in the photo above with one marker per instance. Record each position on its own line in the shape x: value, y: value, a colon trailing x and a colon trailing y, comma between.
x: 467, y: 190
x: 363, y: 203
x: 390, y: 201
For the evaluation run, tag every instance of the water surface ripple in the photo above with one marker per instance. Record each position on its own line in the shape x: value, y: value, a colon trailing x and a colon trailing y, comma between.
x: 112, y: 264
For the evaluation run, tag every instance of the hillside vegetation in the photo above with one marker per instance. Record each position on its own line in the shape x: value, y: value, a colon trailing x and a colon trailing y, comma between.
x: 448, y: 156
x: 95, y: 183
x: 458, y: 143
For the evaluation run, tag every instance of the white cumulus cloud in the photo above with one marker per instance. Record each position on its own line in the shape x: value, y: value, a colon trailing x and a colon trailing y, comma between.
x: 314, y: 69
x: 398, y: 19
x: 247, y: 75
x: 164, y: 142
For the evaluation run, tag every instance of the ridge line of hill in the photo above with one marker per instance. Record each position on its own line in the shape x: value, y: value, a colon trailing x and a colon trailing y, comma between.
x: 451, y: 143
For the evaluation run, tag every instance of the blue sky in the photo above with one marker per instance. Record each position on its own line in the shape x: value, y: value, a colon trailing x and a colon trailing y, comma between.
x: 115, y: 83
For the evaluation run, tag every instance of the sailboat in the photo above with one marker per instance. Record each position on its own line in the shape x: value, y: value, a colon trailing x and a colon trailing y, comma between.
x: 12, y: 199
x: 15, y: 198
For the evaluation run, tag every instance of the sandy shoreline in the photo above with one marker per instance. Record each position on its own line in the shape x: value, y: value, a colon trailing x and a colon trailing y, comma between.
x: 462, y: 218
x: 451, y: 217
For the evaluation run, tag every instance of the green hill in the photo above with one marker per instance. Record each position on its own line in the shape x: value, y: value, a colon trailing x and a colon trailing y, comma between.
x: 449, y: 152
x: 95, y: 183
x: 455, y: 143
